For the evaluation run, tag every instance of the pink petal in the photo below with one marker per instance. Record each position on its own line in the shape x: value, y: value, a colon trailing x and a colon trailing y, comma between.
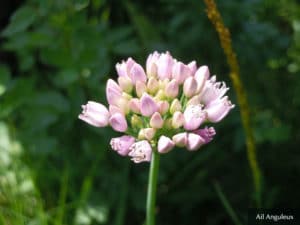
x: 180, y: 139
x: 194, y: 116
x: 194, y: 142
x: 137, y: 73
x: 122, y: 144
x: 141, y: 151
x: 164, y: 66
x: 118, y: 122
x: 148, y: 105
x: 165, y: 144
x: 95, y: 114
x: 172, y: 89
x: 156, y: 121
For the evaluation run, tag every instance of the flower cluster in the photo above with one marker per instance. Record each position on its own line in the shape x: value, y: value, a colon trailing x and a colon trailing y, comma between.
x: 161, y: 107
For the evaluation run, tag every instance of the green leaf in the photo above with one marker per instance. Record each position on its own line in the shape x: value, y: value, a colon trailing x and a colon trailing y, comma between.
x: 20, y: 21
x: 4, y: 78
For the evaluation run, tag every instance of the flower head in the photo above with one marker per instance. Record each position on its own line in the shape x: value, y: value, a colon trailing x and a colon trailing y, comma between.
x: 163, y: 106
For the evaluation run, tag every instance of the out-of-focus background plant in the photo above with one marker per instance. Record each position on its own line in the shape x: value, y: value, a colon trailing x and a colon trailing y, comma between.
x: 57, y: 54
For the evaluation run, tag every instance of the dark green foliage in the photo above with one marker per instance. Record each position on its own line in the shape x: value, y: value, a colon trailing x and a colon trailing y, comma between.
x: 56, y: 55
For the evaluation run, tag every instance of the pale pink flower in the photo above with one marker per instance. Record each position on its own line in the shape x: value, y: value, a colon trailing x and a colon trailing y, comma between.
x: 113, y: 92
x: 172, y: 89
x: 164, y: 66
x: 148, y: 105
x: 181, y: 72
x: 137, y: 73
x: 180, y: 139
x: 94, y: 114
x: 151, y: 67
x: 190, y: 87
x: 118, y: 122
x: 193, y: 67
x: 122, y: 144
x: 156, y: 121
x: 206, y: 133
x: 124, y: 68
x: 125, y: 83
x: 194, y: 116
x: 218, y: 109
x: 134, y: 105
x: 194, y: 141
x: 163, y: 107
x: 201, y: 76
x: 140, y: 151
x: 147, y: 133
x: 165, y: 144
x: 152, y: 85
x: 213, y: 90
x: 140, y: 88
x: 177, y: 119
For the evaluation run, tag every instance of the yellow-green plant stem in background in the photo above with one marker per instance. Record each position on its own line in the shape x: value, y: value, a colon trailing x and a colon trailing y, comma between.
x: 224, y: 36
x: 152, y: 187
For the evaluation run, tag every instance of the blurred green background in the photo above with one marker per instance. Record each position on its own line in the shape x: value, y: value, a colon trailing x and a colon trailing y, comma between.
x: 55, y: 55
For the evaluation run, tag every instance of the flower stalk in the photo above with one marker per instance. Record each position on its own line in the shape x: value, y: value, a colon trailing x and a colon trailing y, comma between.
x: 152, y: 189
x: 225, y: 40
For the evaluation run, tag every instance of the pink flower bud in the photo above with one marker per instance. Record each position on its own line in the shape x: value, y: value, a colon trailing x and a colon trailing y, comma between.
x: 180, y: 139
x: 193, y: 67
x: 134, y: 105
x: 163, y: 107
x: 164, y: 66
x: 194, y: 142
x: 118, y: 122
x: 151, y: 67
x: 152, y: 85
x: 165, y: 144
x: 218, y: 109
x: 172, y: 89
x: 94, y: 114
x: 140, y: 88
x: 125, y: 83
x: 141, y: 151
x: 124, y: 67
x: 137, y: 73
x: 113, y: 92
x: 206, y: 133
x: 175, y: 106
x: 121, y: 69
x: 177, y: 120
x: 213, y: 90
x: 122, y: 144
x: 146, y: 133
x: 156, y: 121
x: 194, y: 116
x: 190, y: 87
x: 201, y: 77
x: 181, y: 72
x: 148, y: 105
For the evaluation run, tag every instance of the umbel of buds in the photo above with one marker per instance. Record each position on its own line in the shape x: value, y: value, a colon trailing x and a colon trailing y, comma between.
x: 165, y: 106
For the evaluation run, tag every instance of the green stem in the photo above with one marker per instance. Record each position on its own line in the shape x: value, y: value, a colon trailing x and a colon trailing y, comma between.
x: 152, y: 186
